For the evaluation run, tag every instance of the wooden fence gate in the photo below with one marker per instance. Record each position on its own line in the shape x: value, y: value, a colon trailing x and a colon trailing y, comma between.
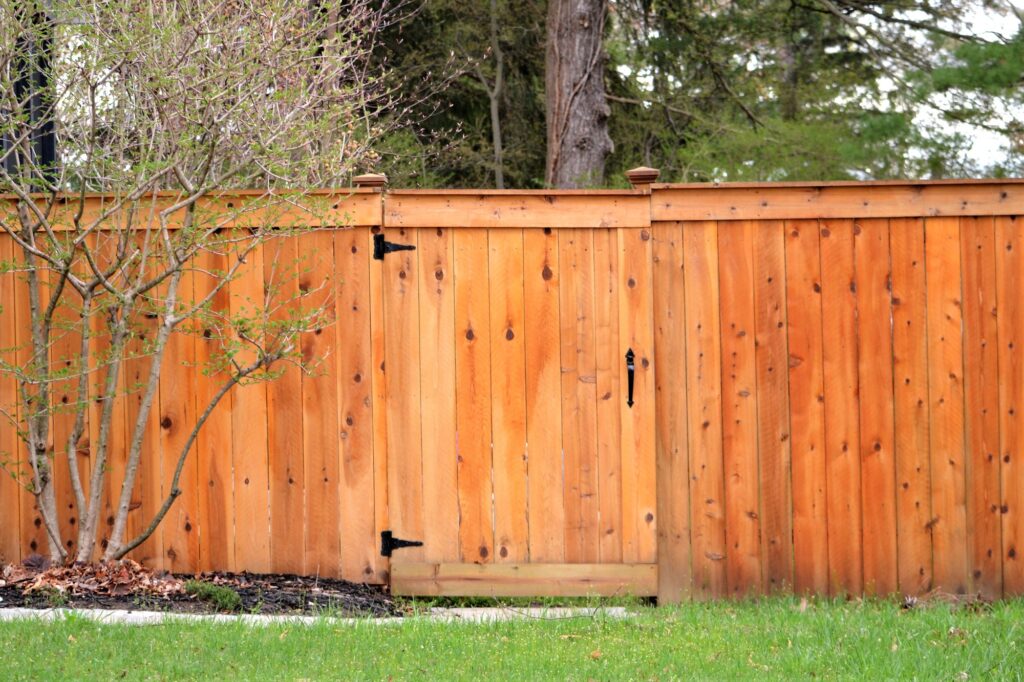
x: 520, y: 437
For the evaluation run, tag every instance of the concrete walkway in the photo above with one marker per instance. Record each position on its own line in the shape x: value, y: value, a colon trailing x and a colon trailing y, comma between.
x: 442, y: 615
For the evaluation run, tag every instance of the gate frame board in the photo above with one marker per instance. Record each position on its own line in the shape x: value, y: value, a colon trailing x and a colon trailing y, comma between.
x: 524, y: 580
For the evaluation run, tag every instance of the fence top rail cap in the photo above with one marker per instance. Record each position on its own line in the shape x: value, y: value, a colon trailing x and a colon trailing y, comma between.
x: 517, y: 192
x: 810, y: 184
x: 70, y: 197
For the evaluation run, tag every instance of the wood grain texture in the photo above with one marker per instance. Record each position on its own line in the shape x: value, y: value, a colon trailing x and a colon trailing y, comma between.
x: 910, y: 406
x: 320, y: 446
x: 981, y: 402
x: 518, y: 580
x: 614, y: 532
x: 739, y: 408
x: 842, y: 442
x: 704, y: 408
x: 351, y: 335
x: 877, y: 435
x: 516, y: 210
x: 946, y: 404
x: 473, y: 396
x: 508, y: 395
x: 282, y: 264
x: 773, y: 432
x: 636, y: 299
x: 11, y: 451
x: 673, y: 480
x: 1009, y: 275
x: 807, y: 407
x: 579, y: 395
x: 542, y: 277
x: 437, y: 374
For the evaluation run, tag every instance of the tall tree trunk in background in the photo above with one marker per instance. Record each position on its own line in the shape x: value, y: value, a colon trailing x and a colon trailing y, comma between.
x: 577, y: 112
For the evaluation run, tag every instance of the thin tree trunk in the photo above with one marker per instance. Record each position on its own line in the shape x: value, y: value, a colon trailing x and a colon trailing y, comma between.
x: 496, y: 94
x: 577, y: 111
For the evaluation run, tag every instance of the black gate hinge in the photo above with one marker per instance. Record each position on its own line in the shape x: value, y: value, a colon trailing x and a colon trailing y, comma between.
x: 389, y: 543
x: 380, y: 247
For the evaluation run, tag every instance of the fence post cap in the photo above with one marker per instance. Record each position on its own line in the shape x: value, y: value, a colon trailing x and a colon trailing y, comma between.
x: 642, y: 175
x: 370, y: 180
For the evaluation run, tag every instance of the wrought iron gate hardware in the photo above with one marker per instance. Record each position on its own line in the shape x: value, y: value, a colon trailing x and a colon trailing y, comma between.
x: 380, y: 247
x: 630, y: 370
x: 389, y: 543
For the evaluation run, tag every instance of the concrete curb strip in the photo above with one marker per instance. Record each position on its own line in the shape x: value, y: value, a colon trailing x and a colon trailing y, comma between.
x: 438, y: 615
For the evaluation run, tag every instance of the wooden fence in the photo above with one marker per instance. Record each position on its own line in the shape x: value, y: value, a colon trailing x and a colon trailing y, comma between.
x: 826, y: 381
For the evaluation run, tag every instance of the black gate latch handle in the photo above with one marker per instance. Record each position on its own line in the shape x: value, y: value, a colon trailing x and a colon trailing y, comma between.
x: 630, y: 370
x: 380, y: 247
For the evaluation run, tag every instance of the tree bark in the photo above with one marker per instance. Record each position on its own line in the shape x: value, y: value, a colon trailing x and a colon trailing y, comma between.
x: 577, y: 112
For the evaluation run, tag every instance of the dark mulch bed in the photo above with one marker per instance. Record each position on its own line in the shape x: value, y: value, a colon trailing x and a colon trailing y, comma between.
x: 134, y: 588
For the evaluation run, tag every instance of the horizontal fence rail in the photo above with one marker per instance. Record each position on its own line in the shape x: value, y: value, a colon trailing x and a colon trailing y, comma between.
x: 838, y: 383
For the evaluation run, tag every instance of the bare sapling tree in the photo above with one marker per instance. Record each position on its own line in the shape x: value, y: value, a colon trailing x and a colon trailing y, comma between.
x: 166, y: 109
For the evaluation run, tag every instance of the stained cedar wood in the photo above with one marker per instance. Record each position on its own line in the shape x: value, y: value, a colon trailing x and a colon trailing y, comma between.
x: 104, y: 247
x: 481, y: 209
x: 946, y: 404
x: 579, y: 393
x: 378, y: 400
x: 704, y: 408
x: 508, y: 395
x: 981, y: 398
x: 807, y: 407
x: 1009, y: 273
x: 842, y: 445
x: 515, y: 580
x: 613, y: 533
x: 281, y: 266
x: 11, y: 449
x: 249, y: 424
x: 910, y: 405
x: 542, y: 275
x: 214, y: 451
x: 878, y: 469
x: 773, y: 407
x: 767, y: 202
x: 351, y: 336
x: 739, y: 407
x: 638, y: 435
x: 473, y: 396
x: 673, y: 484
x: 35, y: 539
x: 437, y: 376
x: 320, y: 413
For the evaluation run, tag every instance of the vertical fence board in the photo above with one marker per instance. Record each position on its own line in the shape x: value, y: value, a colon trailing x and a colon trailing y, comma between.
x: 579, y: 391
x: 673, y: 486
x: 542, y: 277
x: 946, y: 403
x: 807, y: 407
x: 508, y: 388
x: 249, y: 426
x: 320, y: 415
x: 739, y: 407
x: 11, y: 452
x: 1009, y: 278
x: 617, y: 539
x: 910, y: 406
x: 842, y: 445
x: 382, y: 499
x: 704, y: 408
x: 214, y: 448
x: 351, y: 337
x: 473, y: 395
x: 878, y: 469
x: 177, y: 417
x: 281, y: 267
x: 639, y: 503
x: 773, y: 406
x: 981, y: 397
x: 437, y: 376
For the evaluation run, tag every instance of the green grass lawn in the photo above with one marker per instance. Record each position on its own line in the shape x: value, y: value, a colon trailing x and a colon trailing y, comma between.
x: 753, y: 640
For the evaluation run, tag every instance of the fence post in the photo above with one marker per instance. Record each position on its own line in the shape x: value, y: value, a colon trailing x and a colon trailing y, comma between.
x: 371, y: 180
x: 642, y: 177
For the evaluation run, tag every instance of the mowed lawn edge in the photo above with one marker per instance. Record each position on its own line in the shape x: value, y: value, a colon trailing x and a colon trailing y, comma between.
x: 772, y: 638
